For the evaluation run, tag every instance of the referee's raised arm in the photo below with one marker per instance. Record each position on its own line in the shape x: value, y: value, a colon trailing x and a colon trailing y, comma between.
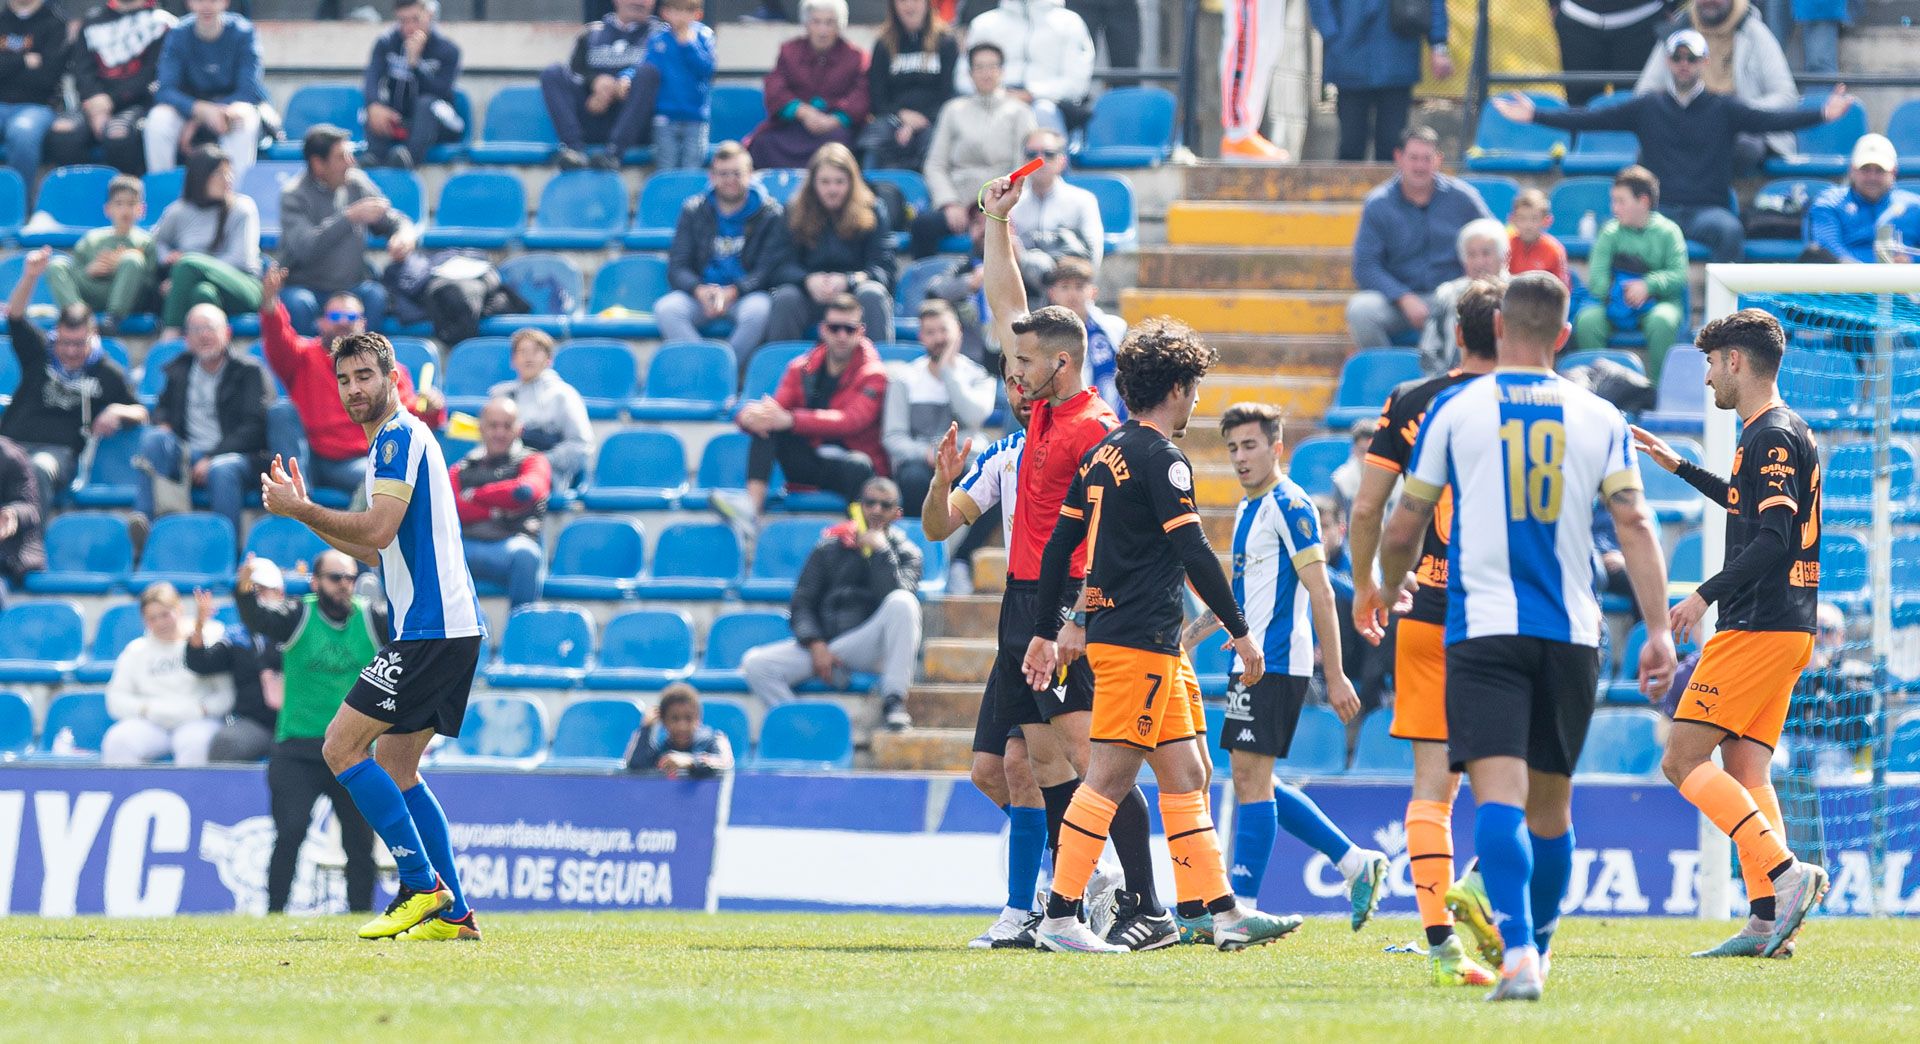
x: 1006, y: 291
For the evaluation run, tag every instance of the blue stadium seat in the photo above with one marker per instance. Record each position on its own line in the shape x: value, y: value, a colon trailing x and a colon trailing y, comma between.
x: 1684, y: 566
x: 87, y: 553
x: 187, y: 551
x: 1625, y: 686
x: 911, y: 289
x: 263, y: 182
x: 1601, y: 152
x: 316, y: 103
x: 1117, y: 211
x: 602, y: 371
x: 118, y: 625
x: 728, y: 641
x: 13, y: 205
x: 723, y: 465
x: 1622, y: 741
x: 474, y: 366
x: 579, y: 210
x: 1903, y: 129
x: 596, y: 558
x: 643, y: 650
x: 594, y: 734
x: 629, y: 284
x: 782, y: 549
x: 1847, y: 494
x: 517, y: 130
x: 162, y: 189
x: 735, y: 110
x: 686, y: 381
x: 806, y: 736
x: 1574, y: 198
x: 407, y: 193
x: 16, y: 723
x: 1566, y: 361
x: 455, y: 148
x: 1906, y: 581
x: 1824, y: 149
x: 11, y: 267
x: 1904, y: 753
x: 640, y: 469
x: 478, y: 208
x: 768, y: 365
x: 1319, y: 745
x: 552, y: 286
x: 545, y: 647
x: 1793, y: 195
x: 1669, y: 495
x: 1496, y: 190
x: 1502, y: 145
x: 1906, y: 390
x: 1682, y: 403
x: 1313, y: 462
x: 658, y: 209
x: 500, y: 728
x: 1212, y: 665
x: 415, y: 353
x: 933, y: 557
x: 9, y: 371
x: 288, y: 544
x: 1377, y: 752
x: 110, y: 478
x: 899, y: 353
x: 1366, y: 379
x: 692, y: 560
x: 76, y: 718
x: 153, y: 372
x: 1823, y: 387
x: 70, y: 204
x: 1131, y: 127
x: 782, y: 183
x: 730, y: 720
x: 913, y: 191
x: 40, y: 641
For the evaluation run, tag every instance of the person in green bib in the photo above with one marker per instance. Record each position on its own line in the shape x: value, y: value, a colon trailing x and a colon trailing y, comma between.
x: 324, y: 639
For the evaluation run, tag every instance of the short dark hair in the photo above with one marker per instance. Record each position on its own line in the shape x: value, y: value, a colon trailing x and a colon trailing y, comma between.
x: 1266, y: 414
x: 885, y: 486
x: 1534, y: 308
x: 320, y: 140
x: 676, y: 695
x: 1639, y: 181
x: 937, y: 306
x: 843, y: 302
x: 368, y: 343
x: 1749, y: 331
x: 1418, y: 132
x: 1476, y: 308
x: 977, y: 48
x: 1069, y: 269
x: 1158, y: 355
x: 346, y: 295
x: 1056, y: 328
x: 126, y: 185
x: 76, y: 316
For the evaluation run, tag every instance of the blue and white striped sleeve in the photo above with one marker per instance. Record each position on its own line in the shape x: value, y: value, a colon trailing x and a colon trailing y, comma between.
x: 396, y: 463
x: 1623, y: 467
x: 980, y: 487
x: 1299, y: 526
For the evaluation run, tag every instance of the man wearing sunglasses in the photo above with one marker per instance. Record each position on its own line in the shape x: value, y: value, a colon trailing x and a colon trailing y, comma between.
x: 1053, y: 217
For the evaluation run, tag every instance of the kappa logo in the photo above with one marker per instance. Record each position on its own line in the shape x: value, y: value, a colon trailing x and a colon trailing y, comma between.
x: 1246, y: 736
x: 401, y: 851
x: 388, y: 705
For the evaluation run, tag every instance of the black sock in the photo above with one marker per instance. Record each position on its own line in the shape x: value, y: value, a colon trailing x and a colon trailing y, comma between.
x: 1129, y: 833
x: 1774, y: 874
x: 1060, y: 906
x: 1057, y: 798
x: 1191, y: 908
x: 1764, y: 909
x: 1439, y: 934
x: 1224, y: 904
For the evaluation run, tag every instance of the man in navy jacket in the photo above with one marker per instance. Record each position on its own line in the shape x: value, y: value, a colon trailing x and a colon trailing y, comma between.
x: 409, y: 86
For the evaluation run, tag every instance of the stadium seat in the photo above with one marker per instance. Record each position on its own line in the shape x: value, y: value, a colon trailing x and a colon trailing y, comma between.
x: 658, y: 209
x: 1567, y: 361
x: 727, y: 643
x: 1319, y: 745
x: 1824, y: 388
x: 1131, y: 127
x: 624, y: 291
x: 594, y: 734
x: 403, y: 189
x: 1117, y: 212
x: 288, y: 544
x: 454, y: 148
x: 187, y: 551
x: 596, y: 558
x: 933, y: 557
x: 686, y: 381
x: 163, y: 188
x: 1314, y: 460
x: 517, y: 130
x: 782, y: 183
x: 88, y: 552
x: 782, y: 549
x: 498, y: 728
x: 1502, y: 145
x: 913, y: 192
x: 473, y: 367
x: 1682, y: 403
x: 1824, y: 149
x: 1903, y: 129
x: 153, y: 372
x: 263, y: 182
x: 602, y: 371
x: 40, y: 642
x: 911, y: 289
x: 1684, y: 564
x: 1847, y: 493
x: 416, y: 354
x: 1624, y: 686
x: 76, y: 722
x: 723, y: 465
x: 478, y: 208
x: 639, y: 469
x: 110, y: 478
x: 1670, y: 496
x: 13, y: 204
x: 1601, y: 152
x: 1366, y: 379
x: 552, y: 286
x: 1622, y: 741
x: 730, y: 720
x: 768, y: 365
x: 899, y: 353
x: 16, y: 724
x: 69, y: 205
x: 1377, y: 752
x: 692, y: 560
x: 579, y: 210
x: 1903, y: 755
x: 1906, y: 391
x: 806, y: 736
x: 339, y: 104
x: 1906, y: 580
x: 1792, y: 195
x: 643, y: 651
x: 10, y: 268
x: 119, y: 624
x: 1572, y: 200
x: 1212, y: 666
x: 545, y: 647
x: 1496, y: 190
x: 9, y: 371
x: 734, y: 110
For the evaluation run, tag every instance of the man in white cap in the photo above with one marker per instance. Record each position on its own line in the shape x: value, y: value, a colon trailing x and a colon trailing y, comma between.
x: 1843, y: 221
x: 1744, y: 60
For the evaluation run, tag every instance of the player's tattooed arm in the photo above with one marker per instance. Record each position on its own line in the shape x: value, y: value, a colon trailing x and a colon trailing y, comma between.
x: 1204, y: 624
x: 1400, y: 544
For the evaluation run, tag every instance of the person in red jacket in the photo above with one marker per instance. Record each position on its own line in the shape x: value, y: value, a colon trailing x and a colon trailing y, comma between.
x: 337, y: 446
x: 822, y: 424
x: 500, y: 492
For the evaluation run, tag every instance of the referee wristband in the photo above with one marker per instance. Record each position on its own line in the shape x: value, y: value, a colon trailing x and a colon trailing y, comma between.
x: 981, y: 199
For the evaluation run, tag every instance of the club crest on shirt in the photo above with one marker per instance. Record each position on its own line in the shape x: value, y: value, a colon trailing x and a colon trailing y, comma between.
x: 386, y: 453
x: 1180, y: 475
x: 1305, y: 526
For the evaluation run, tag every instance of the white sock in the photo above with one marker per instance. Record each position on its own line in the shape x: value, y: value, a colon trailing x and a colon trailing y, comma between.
x: 1008, y: 913
x: 1354, y: 861
x: 1516, y: 955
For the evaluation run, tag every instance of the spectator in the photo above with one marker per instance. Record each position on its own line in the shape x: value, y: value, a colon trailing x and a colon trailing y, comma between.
x: 1482, y: 246
x: 236, y: 654
x: 1686, y: 137
x: 822, y: 424
x: 976, y: 138
x: 842, y: 243
x: 336, y: 445
x: 1819, y: 22
x: 1405, y: 248
x: 1346, y: 477
x: 210, y: 86
x: 673, y: 741
x: 684, y: 54
x: 1606, y: 36
x: 816, y: 93
x: 1054, y: 218
x: 727, y: 247
x: 1844, y: 219
x: 326, y: 215
x: 323, y: 639
x: 552, y: 418
x: 22, y: 549
x: 112, y: 268
x: 909, y: 80
x: 1374, y: 69
x: 69, y: 393
x: 604, y: 95
x: 856, y: 607
x: 158, y: 706
x: 212, y: 412
x: 502, y: 489
x: 33, y: 58
x: 1071, y: 286
x: 208, y: 243
x: 1048, y: 58
x: 1251, y: 38
x: 1117, y: 22
x: 115, y: 63
x: 1532, y: 248
x: 409, y: 85
x: 1637, y: 272
x: 928, y: 395
x: 1743, y: 60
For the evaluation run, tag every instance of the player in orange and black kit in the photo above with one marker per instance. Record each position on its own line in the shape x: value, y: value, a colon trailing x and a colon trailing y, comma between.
x: 1769, y: 594
x: 1132, y: 502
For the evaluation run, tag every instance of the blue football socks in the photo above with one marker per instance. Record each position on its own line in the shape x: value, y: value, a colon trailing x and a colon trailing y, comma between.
x: 1026, y: 844
x: 1253, y: 835
x: 378, y: 798
x: 1552, y: 869
x: 1303, y: 819
x: 1505, y: 853
x: 431, y: 823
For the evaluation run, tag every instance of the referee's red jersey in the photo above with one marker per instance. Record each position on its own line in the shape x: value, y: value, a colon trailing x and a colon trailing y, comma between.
x: 1057, y: 437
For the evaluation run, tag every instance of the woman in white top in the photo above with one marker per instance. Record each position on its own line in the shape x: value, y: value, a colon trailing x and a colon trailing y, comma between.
x: 158, y: 705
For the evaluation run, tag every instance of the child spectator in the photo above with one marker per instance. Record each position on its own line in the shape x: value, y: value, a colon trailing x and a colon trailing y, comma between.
x: 1637, y: 272
x: 1532, y: 248
x: 684, y: 54
x: 112, y: 269
x: 674, y: 741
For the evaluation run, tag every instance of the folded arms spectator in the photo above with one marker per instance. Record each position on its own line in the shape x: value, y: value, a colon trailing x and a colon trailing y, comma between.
x: 604, y: 95
x: 1405, y: 247
x: 501, y: 495
x: 728, y: 248
x: 842, y: 243
x: 116, y: 64
x: 326, y: 215
x: 409, y: 85
x: 210, y: 87
x: 816, y: 93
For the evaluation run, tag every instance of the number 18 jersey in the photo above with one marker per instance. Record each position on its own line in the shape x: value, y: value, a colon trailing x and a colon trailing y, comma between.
x: 1524, y: 452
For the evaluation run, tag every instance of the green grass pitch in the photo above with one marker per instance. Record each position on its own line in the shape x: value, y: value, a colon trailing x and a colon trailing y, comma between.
x: 812, y: 977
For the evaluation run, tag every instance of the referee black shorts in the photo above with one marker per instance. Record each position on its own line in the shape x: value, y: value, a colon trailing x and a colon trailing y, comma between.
x: 1008, y: 702
x: 1261, y: 718
x: 1520, y: 697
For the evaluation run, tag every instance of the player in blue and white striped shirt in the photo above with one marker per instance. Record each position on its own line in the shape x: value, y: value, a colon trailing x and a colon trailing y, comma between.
x: 417, y: 686
x: 1280, y: 580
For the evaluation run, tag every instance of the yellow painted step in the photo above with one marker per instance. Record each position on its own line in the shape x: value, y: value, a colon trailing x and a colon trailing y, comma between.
x: 923, y: 749
x: 990, y: 570
x: 1198, y: 223
x: 1243, y: 311
x: 957, y: 660
x: 1299, y: 397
